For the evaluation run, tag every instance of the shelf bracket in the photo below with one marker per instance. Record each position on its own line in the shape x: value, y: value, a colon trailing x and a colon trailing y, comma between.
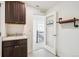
x: 75, y: 25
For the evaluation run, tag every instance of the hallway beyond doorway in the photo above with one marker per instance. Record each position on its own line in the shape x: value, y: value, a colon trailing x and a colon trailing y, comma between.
x: 38, y: 32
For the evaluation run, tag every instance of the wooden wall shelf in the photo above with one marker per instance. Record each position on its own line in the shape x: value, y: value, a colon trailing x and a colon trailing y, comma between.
x: 67, y: 21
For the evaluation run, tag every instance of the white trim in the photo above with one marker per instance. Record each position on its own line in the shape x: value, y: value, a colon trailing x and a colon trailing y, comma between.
x: 44, y: 30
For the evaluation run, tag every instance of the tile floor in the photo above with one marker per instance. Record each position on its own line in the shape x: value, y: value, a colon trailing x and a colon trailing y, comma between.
x: 38, y: 46
x: 41, y: 53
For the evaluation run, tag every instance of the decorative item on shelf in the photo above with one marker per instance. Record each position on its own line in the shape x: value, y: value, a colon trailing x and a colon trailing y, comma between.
x: 74, y: 20
x: 49, y: 22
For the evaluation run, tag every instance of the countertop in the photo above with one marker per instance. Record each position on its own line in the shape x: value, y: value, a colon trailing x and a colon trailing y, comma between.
x: 14, y: 38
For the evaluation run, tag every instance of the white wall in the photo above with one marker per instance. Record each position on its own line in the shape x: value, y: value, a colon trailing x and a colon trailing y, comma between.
x: 30, y: 12
x: 3, y: 30
x: 67, y: 35
x: 14, y: 29
x: 2, y: 24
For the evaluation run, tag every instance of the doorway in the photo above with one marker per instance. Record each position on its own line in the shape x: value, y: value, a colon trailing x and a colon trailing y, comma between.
x: 45, y: 32
x: 38, y: 32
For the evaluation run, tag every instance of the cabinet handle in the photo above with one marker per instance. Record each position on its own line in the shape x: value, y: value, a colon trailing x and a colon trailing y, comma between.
x: 16, y: 46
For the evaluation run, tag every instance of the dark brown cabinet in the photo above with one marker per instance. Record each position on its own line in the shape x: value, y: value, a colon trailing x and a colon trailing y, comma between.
x: 8, y: 52
x: 14, y: 48
x: 15, y: 12
x: 20, y: 51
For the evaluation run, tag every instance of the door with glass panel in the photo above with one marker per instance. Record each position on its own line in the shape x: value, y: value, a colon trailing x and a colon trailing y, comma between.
x: 51, y: 33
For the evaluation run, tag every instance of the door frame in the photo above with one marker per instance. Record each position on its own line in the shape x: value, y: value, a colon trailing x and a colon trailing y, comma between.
x: 47, y: 47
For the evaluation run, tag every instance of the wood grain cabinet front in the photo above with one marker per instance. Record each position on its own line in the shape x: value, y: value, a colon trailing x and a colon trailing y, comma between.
x: 14, y: 48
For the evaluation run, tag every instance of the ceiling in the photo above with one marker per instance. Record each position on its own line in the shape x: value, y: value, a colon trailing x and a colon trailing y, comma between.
x: 42, y: 5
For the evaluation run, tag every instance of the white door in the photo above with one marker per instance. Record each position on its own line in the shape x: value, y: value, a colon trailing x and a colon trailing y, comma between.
x: 50, y: 42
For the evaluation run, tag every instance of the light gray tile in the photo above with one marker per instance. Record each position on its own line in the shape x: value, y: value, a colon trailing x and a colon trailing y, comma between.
x: 41, y: 53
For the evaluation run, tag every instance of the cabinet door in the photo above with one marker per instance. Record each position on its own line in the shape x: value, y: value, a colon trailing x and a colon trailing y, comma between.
x: 20, y: 51
x: 9, y: 12
x: 21, y: 13
x: 7, y: 51
x: 24, y: 50
x: 16, y: 11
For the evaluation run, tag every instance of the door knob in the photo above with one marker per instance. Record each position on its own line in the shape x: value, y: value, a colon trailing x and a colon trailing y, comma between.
x: 16, y: 46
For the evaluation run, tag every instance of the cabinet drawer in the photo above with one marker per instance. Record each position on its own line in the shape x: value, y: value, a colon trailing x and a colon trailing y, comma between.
x: 7, y: 43
x: 21, y: 42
